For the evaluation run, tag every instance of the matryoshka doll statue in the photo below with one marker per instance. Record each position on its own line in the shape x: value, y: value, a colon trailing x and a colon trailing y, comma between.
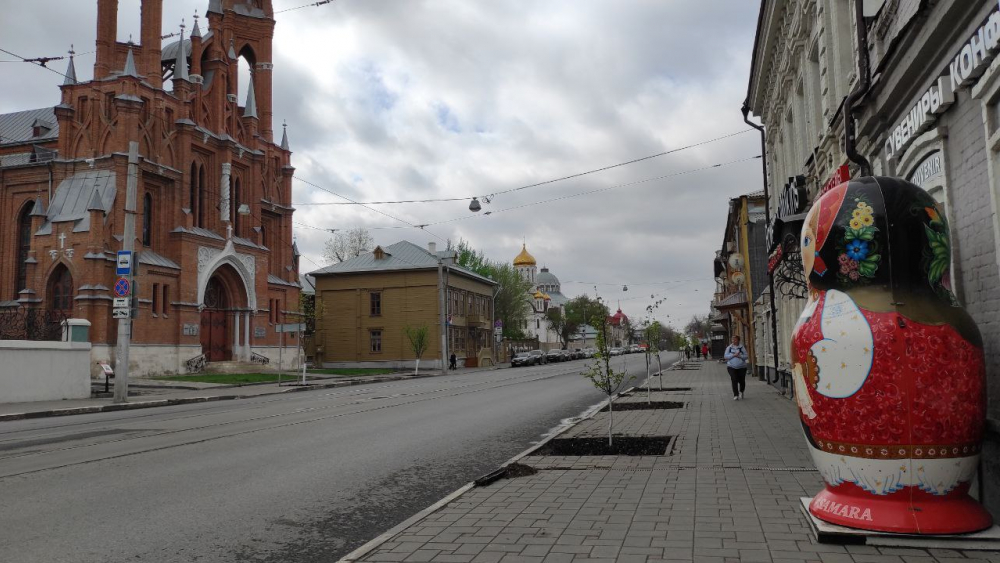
x: 888, y: 367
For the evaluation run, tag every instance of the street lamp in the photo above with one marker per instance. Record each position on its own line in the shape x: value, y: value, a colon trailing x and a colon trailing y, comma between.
x: 475, y: 205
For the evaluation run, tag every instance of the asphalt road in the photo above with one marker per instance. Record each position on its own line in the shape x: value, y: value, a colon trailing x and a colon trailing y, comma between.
x: 285, y: 478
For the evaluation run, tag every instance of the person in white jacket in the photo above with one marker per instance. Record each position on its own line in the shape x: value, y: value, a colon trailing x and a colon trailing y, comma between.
x: 736, y: 362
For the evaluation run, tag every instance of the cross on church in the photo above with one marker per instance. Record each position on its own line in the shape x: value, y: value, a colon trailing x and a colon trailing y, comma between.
x: 62, y: 240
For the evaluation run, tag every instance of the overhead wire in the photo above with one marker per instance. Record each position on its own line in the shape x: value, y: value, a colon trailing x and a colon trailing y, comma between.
x: 546, y: 182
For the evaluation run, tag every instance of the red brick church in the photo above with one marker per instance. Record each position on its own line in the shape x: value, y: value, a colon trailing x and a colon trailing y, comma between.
x: 217, y: 268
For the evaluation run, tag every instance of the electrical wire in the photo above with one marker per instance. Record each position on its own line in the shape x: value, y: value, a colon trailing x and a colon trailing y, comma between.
x: 537, y: 184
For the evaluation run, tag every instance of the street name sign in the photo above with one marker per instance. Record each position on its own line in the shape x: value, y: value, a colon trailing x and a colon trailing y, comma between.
x: 123, y: 287
x: 124, y: 264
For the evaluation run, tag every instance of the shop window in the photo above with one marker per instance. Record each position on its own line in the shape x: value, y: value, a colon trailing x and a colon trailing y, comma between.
x: 376, y: 340
x: 376, y: 303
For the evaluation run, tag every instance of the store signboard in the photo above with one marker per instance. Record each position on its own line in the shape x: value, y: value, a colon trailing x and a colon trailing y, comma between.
x: 928, y: 171
x: 965, y: 68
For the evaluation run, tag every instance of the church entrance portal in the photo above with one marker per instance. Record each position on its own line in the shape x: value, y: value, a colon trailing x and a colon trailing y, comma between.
x: 216, y: 328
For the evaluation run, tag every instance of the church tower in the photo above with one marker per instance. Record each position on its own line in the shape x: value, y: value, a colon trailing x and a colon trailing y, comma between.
x: 526, y: 265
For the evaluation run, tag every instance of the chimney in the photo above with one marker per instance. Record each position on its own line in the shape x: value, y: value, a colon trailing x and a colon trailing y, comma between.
x: 432, y: 248
x: 151, y: 14
x: 107, y: 34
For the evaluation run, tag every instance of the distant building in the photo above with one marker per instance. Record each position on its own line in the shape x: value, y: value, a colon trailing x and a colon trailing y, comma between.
x: 363, y: 306
x: 545, y: 294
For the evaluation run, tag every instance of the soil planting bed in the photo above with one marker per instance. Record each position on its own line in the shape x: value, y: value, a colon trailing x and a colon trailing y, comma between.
x: 646, y: 406
x: 628, y: 446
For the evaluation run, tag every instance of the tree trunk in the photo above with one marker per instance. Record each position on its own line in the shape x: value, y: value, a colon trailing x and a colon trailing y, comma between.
x: 416, y: 368
x: 648, y: 400
x: 611, y: 421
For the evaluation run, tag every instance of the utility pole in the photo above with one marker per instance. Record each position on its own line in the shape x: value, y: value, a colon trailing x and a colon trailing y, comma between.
x: 128, y: 244
x: 441, y: 315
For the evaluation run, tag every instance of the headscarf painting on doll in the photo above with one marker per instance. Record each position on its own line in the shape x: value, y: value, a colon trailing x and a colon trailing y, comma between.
x: 888, y: 368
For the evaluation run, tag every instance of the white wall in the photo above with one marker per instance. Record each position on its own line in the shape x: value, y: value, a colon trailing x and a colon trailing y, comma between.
x: 44, y: 371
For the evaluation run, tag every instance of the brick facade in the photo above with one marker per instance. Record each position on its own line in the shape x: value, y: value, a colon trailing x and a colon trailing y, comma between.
x: 202, y: 155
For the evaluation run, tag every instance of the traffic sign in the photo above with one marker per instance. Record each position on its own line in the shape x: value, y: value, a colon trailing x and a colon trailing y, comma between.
x: 292, y: 327
x: 120, y: 302
x: 122, y: 287
x: 498, y: 330
x: 124, y: 263
x: 119, y: 313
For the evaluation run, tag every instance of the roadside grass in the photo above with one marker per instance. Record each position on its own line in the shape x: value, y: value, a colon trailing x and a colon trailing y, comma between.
x: 353, y: 371
x: 230, y: 378
x: 245, y: 378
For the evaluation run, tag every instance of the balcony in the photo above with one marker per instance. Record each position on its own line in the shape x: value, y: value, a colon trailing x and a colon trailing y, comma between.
x: 476, y: 319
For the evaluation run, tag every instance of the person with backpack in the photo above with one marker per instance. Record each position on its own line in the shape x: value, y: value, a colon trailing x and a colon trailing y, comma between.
x: 736, y: 363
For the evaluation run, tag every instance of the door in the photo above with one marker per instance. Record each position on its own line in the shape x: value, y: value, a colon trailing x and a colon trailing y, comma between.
x: 216, y: 337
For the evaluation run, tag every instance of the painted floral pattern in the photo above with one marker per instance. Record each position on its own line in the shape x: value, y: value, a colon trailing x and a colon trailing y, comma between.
x: 925, y: 386
x: 858, y: 257
x: 938, y: 255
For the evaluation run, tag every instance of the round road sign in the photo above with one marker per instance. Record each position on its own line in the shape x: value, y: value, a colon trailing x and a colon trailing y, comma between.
x: 122, y: 287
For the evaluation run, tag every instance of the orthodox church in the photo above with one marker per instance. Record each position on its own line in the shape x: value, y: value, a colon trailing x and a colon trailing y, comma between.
x: 158, y: 134
x: 545, y: 294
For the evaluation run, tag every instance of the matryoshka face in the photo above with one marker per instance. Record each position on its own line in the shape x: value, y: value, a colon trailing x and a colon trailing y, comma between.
x: 808, y: 242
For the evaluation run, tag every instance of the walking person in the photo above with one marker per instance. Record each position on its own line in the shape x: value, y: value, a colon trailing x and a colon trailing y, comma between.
x: 704, y: 351
x: 736, y: 363
x: 687, y: 352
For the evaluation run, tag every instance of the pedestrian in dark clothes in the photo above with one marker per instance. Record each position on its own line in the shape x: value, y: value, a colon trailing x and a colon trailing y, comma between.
x: 736, y: 363
x: 453, y: 362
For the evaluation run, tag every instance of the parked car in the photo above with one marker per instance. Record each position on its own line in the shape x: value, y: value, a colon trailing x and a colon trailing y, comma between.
x: 554, y: 355
x: 615, y: 351
x: 539, y: 356
x: 523, y: 359
x: 589, y: 352
x: 578, y: 354
x: 634, y: 349
x: 568, y: 355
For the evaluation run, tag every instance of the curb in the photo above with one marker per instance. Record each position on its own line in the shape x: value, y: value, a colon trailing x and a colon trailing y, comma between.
x: 495, y: 475
x: 204, y: 399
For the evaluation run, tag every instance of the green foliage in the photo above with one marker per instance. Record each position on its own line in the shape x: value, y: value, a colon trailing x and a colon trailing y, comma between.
x: 419, y: 338
x: 567, y: 321
x: 307, y: 304
x: 602, y: 375
x: 653, y: 334
x: 510, y: 302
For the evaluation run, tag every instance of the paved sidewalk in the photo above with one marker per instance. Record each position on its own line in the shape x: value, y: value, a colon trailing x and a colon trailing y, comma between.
x: 729, y: 491
x: 150, y: 395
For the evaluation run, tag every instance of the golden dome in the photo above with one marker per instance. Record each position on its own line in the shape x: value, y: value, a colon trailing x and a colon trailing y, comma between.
x: 539, y: 295
x: 546, y: 297
x: 524, y: 259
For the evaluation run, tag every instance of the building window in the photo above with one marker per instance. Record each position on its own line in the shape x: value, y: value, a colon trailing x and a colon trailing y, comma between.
x: 23, y: 247
x: 376, y: 303
x: 236, y: 208
x: 538, y: 323
x: 156, y: 299
x: 163, y: 302
x: 61, y: 290
x: 376, y: 340
x: 147, y: 219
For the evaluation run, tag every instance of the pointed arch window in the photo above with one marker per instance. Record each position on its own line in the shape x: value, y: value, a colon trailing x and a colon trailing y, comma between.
x: 147, y: 219
x: 23, y: 247
x: 234, y: 209
x: 201, y: 199
x: 60, y: 290
x: 193, y: 195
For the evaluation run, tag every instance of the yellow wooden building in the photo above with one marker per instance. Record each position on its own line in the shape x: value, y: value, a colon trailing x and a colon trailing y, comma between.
x: 363, y: 306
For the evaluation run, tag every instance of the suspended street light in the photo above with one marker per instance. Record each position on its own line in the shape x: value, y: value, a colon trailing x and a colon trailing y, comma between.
x: 475, y: 205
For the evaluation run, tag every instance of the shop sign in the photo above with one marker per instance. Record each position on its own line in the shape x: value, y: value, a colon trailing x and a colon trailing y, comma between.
x: 927, y: 171
x: 964, y: 69
x: 791, y: 202
x: 842, y: 175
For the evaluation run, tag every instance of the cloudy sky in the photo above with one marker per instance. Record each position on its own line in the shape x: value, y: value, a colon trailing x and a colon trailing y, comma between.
x: 416, y: 99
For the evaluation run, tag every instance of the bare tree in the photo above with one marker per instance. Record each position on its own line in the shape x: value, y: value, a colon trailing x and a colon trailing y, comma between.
x: 603, y: 376
x: 419, y: 342
x: 348, y: 244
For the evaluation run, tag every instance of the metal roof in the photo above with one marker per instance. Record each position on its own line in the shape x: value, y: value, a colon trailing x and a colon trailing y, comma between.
x: 17, y: 127
x: 169, y: 52
x: 199, y: 231
x: 151, y: 258
x: 271, y: 278
x: 74, y: 198
x: 403, y: 255
x: 545, y: 277
x: 308, y: 284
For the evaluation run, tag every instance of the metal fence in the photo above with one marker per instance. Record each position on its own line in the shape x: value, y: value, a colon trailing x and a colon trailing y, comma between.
x: 23, y: 323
